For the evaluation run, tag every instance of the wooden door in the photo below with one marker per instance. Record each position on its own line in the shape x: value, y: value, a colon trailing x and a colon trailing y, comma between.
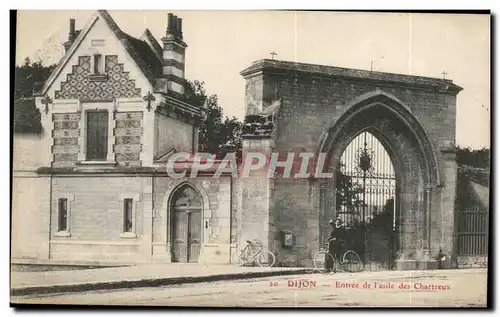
x: 179, y: 236
x: 194, y: 235
x: 186, y: 225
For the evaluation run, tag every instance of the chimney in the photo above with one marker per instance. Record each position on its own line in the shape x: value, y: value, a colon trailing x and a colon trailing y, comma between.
x: 71, y: 36
x: 174, y: 52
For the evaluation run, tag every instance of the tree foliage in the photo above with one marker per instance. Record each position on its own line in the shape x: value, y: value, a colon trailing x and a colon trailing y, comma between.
x: 25, y: 115
x: 28, y: 75
x: 218, y: 135
x: 384, y: 218
x: 349, y: 194
x: 475, y: 158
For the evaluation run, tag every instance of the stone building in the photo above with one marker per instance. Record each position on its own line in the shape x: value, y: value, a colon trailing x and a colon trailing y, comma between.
x: 92, y: 188
x: 95, y: 190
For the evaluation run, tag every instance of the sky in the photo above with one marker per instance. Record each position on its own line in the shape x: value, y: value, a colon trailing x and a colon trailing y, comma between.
x: 223, y: 43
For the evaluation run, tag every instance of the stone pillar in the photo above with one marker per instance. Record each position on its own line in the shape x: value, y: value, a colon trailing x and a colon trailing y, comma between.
x: 255, y: 190
x: 407, y: 258
x: 325, y: 203
x: 447, y: 210
x: 426, y: 261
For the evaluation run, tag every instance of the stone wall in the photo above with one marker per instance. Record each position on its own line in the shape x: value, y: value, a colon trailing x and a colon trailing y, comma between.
x: 66, y: 132
x: 171, y: 133
x: 313, y: 101
x: 128, y: 138
x: 30, y: 214
x: 95, y: 208
x: 293, y: 212
x: 216, y: 196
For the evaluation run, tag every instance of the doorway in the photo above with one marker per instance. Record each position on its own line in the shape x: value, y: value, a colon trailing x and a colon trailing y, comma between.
x: 366, y: 200
x: 186, y: 229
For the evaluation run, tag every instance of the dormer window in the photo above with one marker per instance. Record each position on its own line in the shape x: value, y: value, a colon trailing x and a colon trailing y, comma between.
x: 98, y: 67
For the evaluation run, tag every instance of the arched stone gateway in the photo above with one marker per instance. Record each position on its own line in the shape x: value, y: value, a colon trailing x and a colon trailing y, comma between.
x: 321, y: 110
x: 415, y: 167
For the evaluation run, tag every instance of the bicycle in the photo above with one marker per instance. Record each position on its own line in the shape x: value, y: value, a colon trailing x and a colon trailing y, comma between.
x: 263, y: 258
x: 351, y: 262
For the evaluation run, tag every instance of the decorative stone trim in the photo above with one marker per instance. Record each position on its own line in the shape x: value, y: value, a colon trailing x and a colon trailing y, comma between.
x: 94, y: 242
x: 65, y: 106
x: 128, y: 235
x: 308, y: 70
x: 82, y: 82
x: 129, y: 104
x: 62, y: 234
x: 98, y: 77
x: 130, y: 129
x: 96, y: 163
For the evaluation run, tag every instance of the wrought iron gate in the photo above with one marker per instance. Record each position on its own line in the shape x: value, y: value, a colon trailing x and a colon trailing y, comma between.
x: 472, y: 232
x: 365, y: 192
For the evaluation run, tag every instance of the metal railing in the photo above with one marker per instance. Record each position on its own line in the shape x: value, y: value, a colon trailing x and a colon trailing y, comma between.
x: 472, y: 231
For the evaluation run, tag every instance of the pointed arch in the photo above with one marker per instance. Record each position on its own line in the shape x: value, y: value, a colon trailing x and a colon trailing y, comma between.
x: 401, y: 112
x: 204, y: 207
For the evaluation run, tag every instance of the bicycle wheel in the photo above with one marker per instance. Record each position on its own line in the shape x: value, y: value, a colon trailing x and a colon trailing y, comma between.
x: 321, y: 259
x: 351, y: 262
x: 266, y: 259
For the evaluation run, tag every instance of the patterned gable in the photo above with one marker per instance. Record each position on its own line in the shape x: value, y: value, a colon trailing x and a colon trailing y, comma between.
x: 116, y: 84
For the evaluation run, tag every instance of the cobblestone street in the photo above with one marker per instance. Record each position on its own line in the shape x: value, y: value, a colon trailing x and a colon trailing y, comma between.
x: 446, y: 288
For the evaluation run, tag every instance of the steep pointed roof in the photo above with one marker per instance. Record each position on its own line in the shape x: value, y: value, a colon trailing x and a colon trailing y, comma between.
x: 142, y: 53
x: 150, y: 39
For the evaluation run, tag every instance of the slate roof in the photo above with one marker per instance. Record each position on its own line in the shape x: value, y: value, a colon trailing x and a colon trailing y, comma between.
x: 156, y: 46
x: 140, y: 51
x: 351, y: 73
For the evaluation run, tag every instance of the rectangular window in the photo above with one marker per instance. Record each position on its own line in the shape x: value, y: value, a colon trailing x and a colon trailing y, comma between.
x: 127, y: 214
x: 97, y: 64
x: 97, y: 135
x: 62, y: 223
